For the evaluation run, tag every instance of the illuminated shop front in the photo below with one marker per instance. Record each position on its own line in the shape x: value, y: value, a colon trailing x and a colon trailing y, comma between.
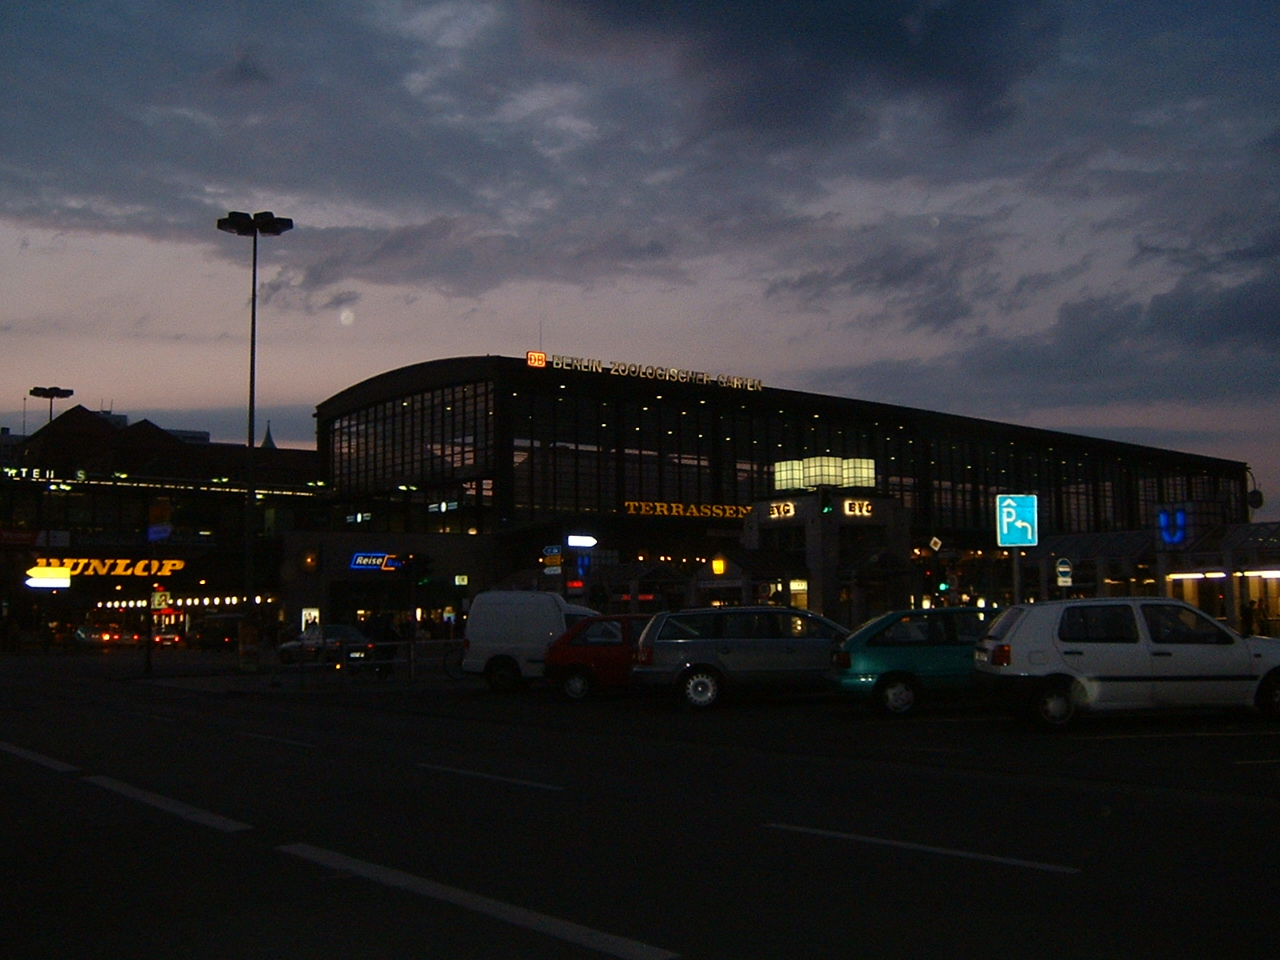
x: 144, y: 526
x: 665, y: 464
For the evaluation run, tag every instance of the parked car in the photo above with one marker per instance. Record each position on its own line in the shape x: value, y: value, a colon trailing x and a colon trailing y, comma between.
x: 508, y: 632
x: 594, y: 653
x: 700, y: 652
x: 216, y: 631
x: 1056, y: 659
x: 900, y: 657
x: 330, y: 643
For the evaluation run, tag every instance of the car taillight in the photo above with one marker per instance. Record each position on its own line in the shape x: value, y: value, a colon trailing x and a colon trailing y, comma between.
x: 841, y: 660
x: 1001, y: 655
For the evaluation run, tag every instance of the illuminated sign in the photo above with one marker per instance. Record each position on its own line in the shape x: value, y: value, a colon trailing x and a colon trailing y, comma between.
x: 1017, y: 522
x: 375, y: 561
x: 620, y: 368
x: 29, y: 473
x: 48, y: 578
x: 786, y: 509
x: 1173, y: 525
x: 649, y: 508
x: 128, y: 567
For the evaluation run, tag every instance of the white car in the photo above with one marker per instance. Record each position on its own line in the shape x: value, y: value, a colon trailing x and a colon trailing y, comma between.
x: 1058, y: 658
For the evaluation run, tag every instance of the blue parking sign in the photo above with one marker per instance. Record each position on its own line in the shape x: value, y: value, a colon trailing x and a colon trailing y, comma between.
x: 1016, y: 520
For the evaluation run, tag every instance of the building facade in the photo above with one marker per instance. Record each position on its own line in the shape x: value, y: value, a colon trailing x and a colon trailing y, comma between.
x: 626, y: 487
x: 846, y: 506
x: 150, y: 526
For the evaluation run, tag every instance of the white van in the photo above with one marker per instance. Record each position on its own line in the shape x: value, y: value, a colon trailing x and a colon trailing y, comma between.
x: 508, y: 632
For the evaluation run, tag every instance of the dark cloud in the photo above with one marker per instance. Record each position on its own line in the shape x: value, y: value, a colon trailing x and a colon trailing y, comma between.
x: 818, y: 66
x: 1201, y: 343
x: 926, y: 270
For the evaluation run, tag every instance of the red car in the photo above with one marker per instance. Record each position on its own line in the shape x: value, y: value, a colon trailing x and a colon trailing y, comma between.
x: 595, y: 652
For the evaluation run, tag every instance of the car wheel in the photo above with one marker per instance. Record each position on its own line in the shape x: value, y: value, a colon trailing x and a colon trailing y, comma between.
x: 1268, y: 698
x: 503, y: 676
x: 1053, y: 705
x: 897, y: 695
x: 700, y: 688
x: 576, y: 684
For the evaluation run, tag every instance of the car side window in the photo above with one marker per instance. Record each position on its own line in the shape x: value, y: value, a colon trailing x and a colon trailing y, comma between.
x: 602, y: 631
x: 692, y: 626
x: 749, y: 626
x: 1169, y: 624
x: 969, y: 627
x: 911, y: 630
x: 802, y: 626
x: 1100, y: 624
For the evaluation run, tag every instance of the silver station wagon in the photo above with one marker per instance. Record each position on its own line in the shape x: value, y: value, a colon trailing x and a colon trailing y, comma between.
x: 1055, y: 659
x: 700, y: 652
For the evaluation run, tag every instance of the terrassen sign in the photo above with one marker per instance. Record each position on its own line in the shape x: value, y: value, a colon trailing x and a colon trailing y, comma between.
x: 651, y: 508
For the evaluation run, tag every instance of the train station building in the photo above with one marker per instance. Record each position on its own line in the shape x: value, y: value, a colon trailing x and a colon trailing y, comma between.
x: 709, y: 486
x: 625, y: 487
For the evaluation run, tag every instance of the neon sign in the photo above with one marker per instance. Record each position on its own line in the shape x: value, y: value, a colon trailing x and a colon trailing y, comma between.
x: 620, y: 368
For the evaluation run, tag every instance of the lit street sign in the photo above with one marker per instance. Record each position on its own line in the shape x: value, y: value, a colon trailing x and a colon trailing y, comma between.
x: 1016, y: 520
x: 1064, y: 572
x: 49, y: 578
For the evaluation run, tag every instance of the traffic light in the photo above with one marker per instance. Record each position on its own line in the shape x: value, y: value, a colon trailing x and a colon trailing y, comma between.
x: 826, y: 501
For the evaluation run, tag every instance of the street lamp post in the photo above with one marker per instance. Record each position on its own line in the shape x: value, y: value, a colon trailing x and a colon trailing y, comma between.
x: 266, y: 224
x: 51, y: 393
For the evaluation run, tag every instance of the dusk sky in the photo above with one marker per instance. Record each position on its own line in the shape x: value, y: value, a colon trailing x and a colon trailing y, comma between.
x: 1058, y: 214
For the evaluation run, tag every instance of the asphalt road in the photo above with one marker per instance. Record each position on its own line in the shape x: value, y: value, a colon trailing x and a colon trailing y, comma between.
x: 199, y: 812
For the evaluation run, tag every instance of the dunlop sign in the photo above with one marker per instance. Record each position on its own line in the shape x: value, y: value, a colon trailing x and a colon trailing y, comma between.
x: 128, y: 567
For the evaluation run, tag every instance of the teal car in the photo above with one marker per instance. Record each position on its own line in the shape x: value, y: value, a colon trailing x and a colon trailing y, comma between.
x: 898, y: 658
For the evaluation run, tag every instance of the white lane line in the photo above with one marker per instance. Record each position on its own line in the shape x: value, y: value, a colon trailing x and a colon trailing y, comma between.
x: 177, y: 808
x: 605, y: 943
x: 39, y: 758
x: 288, y: 743
x: 1181, y: 735
x: 490, y: 776
x: 922, y: 848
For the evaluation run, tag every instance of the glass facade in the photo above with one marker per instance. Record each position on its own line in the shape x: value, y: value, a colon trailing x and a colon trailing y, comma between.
x: 509, y: 445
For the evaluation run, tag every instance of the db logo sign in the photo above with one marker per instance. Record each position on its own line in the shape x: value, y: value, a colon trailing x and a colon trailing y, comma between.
x: 536, y: 358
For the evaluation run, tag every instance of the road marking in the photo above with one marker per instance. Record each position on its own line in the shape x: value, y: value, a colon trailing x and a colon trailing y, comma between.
x: 490, y: 776
x: 1177, y: 736
x: 564, y: 930
x: 922, y: 848
x: 177, y: 808
x: 290, y: 743
x: 50, y: 762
